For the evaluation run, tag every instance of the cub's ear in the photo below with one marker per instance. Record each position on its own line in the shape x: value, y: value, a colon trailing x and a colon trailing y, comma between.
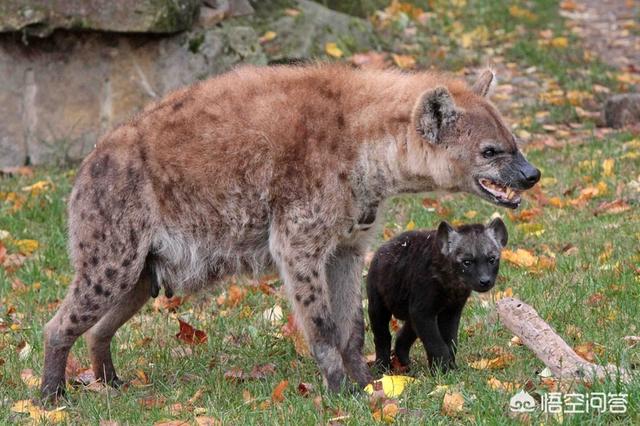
x: 499, y: 231
x: 434, y: 112
x: 485, y: 84
x: 443, y: 237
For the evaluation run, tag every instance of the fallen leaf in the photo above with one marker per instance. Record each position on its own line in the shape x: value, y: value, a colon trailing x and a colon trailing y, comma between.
x: 207, y: 421
x: 25, y: 171
x: 290, y: 330
x: 471, y: 214
x: 31, y: 380
x: 26, y: 247
x: 632, y: 341
x: 305, y: 389
x: 392, y: 386
x: 333, y: 50
x: 38, y: 187
x: 171, y: 423
x: 452, y: 404
x: 585, y: 351
x: 267, y: 37
x: 496, y: 384
x: 165, y: 303
x: 278, y: 391
x: 607, y: 166
x: 404, y: 61
x: 292, y: 12
x: 496, y: 363
x: 150, y: 402
x: 190, y: 335
x: 560, y: 42
x: 410, y: 226
x: 39, y: 414
x: 273, y: 315
x: 612, y: 207
x: 387, y: 413
x: 520, y: 257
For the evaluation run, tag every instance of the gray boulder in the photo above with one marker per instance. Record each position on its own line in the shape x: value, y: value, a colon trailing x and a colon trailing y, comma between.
x: 41, y: 17
x: 60, y: 94
x: 621, y: 110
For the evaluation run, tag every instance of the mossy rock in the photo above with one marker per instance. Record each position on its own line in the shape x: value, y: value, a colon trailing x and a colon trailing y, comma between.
x: 41, y: 17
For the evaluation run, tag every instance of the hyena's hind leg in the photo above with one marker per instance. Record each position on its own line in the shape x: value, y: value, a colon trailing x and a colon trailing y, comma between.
x: 344, y: 274
x: 100, y: 335
x: 110, y: 235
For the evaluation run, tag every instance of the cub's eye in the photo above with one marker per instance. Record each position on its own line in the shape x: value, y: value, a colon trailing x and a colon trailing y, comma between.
x: 492, y: 260
x: 467, y: 262
x: 489, y: 153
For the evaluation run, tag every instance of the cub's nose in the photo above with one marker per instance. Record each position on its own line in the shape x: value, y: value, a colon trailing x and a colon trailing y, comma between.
x: 531, y: 175
x: 485, y: 282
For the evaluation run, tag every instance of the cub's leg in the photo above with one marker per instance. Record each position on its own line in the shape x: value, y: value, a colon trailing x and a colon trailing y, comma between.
x: 100, y: 335
x: 448, y: 324
x: 404, y: 340
x: 426, y: 327
x: 379, y: 317
x: 344, y: 272
x: 301, y: 254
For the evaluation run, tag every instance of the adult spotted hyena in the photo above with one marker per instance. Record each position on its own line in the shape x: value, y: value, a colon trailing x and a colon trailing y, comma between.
x: 280, y: 167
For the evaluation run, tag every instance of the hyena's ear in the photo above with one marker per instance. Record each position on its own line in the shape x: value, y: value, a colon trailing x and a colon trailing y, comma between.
x: 434, y: 112
x: 499, y: 231
x: 446, y: 238
x: 485, y: 84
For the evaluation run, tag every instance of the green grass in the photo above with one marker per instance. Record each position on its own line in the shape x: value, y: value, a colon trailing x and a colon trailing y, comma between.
x: 240, y: 337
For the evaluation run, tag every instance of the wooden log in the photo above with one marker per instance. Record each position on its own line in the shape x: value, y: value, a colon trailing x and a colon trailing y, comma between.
x: 523, y: 321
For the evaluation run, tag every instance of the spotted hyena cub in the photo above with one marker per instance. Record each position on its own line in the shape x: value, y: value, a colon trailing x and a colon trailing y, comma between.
x: 424, y: 278
x: 269, y: 168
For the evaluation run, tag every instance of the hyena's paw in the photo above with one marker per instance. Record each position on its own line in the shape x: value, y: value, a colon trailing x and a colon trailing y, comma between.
x: 52, y: 390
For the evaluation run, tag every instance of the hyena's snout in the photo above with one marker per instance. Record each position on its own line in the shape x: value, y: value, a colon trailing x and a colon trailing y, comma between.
x: 522, y: 174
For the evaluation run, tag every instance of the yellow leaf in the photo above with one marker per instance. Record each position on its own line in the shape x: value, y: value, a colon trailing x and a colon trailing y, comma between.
x: 26, y: 247
x: 508, y: 292
x: 404, y: 61
x: 333, y: 50
x: 520, y: 257
x: 534, y: 229
x: 607, y: 166
x: 38, y: 414
x: 452, y: 404
x: 391, y: 385
x: 268, y: 36
x: 38, y: 187
x: 560, y: 42
x: 410, y: 226
x: 519, y: 12
x: 471, y: 214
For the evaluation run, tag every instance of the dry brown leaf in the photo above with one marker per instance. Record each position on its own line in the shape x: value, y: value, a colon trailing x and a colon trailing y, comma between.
x: 290, y: 330
x: 496, y: 384
x: 190, y: 335
x: 452, y: 404
x: 586, y: 351
x: 163, y: 302
x: 387, y: 413
x: 370, y: 60
x: 496, y: 363
x: 612, y: 207
x: 404, y: 61
x: 207, y: 421
x: 151, y: 401
x: 520, y: 257
x: 171, y: 423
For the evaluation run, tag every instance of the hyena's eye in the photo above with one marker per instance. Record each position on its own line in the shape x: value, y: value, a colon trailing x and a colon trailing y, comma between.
x: 489, y: 152
x: 467, y: 262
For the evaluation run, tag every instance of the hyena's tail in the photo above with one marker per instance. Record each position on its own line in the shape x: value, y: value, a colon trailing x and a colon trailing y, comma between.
x: 110, y: 230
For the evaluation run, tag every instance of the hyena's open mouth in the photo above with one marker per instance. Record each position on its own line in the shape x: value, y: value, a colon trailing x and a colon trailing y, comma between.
x: 500, y: 194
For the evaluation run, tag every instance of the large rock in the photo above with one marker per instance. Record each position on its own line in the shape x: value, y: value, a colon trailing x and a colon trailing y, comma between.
x: 623, y: 109
x: 305, y: 35
x: 59, y: 94
x: 41, y: 17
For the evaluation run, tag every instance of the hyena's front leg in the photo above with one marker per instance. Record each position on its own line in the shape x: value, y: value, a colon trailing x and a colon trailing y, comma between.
x: 344, y: 272
x: 301, y: 258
